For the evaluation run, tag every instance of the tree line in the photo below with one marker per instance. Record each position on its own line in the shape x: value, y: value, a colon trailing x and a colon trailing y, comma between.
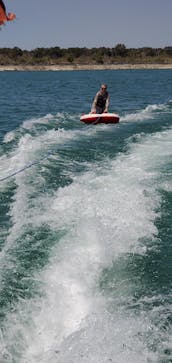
x: 119, y: 54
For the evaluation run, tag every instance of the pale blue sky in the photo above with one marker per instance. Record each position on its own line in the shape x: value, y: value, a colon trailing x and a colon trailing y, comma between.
x: 88, y: 23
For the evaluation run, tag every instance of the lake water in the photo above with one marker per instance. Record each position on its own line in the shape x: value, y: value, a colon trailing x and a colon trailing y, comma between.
x: 85, y: 218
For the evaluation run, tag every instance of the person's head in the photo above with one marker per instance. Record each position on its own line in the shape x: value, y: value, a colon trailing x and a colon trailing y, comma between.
x: 104, y: 87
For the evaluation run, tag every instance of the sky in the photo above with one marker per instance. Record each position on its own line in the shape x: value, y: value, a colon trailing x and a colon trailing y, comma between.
x: 88, y: 23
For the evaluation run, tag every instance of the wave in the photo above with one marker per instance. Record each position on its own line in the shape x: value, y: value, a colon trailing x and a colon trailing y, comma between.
x: 42, y: 145
x: 25, y: 141
x: 106, y: 212
x: 57, y: 120
x: 149, y: 112
x: 62, y: 119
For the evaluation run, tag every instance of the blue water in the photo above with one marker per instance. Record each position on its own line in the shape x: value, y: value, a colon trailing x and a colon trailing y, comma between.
x: 85, y: 219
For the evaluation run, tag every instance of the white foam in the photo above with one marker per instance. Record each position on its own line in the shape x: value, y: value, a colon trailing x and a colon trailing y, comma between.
x: 28, y: 124
x: 28, y: 147
x: 145, y: 114
x: 105, y: 212
x: 10, y: 136
x: 25, y: 154
x: 58, y: 117
x: 106, y: 339
x: 31, y: 123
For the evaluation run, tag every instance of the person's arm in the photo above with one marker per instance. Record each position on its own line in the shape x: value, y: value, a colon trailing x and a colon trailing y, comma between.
x: 107, y: 103
x: 93, y: 107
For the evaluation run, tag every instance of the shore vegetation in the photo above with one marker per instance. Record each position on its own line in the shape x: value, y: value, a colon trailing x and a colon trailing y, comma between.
x: 119, y: 54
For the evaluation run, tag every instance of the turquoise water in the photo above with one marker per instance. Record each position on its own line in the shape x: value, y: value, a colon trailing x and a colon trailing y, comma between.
x: 85, y: 219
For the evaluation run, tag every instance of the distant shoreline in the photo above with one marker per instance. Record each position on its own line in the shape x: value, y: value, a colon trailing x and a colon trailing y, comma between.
x: 75, y: 67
